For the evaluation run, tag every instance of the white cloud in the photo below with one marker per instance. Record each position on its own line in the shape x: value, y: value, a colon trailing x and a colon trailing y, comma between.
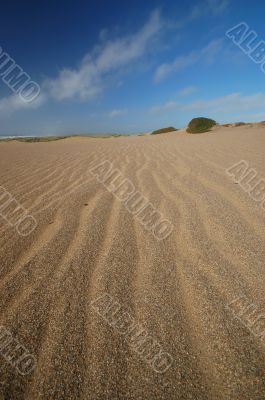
x: 248, y: 117
x: 117, y: 112
x: 234, y: 102
x: 214, y: 7
x: 210, y: 52
x: 206, y: 55
x: 168, y: 106
x: 187, y: 90
x: 84, y: 83
x: 229, y: 104
x: 180, y: 62
x: 202, y: 9
x: 13, y: 103
x: 128, y: 49
x: 103, y: 34
x: 87, y: 80
x: 218, y: 6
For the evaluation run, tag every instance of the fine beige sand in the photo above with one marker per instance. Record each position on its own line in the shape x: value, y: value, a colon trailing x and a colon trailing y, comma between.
x: 87, y: 243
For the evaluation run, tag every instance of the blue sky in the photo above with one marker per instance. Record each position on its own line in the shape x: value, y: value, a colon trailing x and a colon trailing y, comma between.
x: 129, y: 66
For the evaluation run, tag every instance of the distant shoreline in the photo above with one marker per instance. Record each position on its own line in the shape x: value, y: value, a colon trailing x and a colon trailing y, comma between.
x: 31, y: 138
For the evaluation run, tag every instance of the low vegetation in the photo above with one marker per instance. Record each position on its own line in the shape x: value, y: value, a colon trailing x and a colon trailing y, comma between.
x: 240, y: 124
x: 42, y: 139
x: 34, y: 139
x: 200, y: 125
x: 164, y: 130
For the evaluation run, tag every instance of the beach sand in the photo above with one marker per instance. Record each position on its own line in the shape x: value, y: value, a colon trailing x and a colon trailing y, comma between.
x: 87, y: 244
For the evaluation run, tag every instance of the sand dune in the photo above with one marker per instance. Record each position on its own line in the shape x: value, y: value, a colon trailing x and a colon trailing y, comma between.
x: 86, y: 244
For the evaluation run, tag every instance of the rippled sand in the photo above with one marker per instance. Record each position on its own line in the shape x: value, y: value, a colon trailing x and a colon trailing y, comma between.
x: 86, y: 243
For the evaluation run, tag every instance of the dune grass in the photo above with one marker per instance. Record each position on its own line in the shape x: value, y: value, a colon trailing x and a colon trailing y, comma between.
x: 164, y: 130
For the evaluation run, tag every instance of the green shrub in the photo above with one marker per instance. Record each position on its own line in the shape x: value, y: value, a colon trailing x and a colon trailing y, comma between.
x: 164, y: 130
x: 199, y: 125
x: 239, y: 124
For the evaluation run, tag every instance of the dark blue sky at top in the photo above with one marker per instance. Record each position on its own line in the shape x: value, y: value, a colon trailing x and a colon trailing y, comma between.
x: 205, y: 72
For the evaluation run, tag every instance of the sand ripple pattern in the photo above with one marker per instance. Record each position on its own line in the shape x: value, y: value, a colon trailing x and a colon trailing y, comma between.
x: 86, y: 244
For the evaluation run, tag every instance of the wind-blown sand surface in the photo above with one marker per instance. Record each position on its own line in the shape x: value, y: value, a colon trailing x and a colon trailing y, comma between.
x: 87, y: 243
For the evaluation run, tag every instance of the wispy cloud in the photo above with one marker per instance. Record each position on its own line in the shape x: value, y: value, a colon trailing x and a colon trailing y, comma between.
x: 207, y: 55
x: 12, y: 103
x: 187, y: 90
x: 172, y: 104
x: 110, y: 56
x: 178, y: 64
x: 229, y: 104
x: 218, y: 6
x: 118, y: 112
x: 168, y: 106
x: 214, y: 7
x: 88, y: 80
x: 202, y: 9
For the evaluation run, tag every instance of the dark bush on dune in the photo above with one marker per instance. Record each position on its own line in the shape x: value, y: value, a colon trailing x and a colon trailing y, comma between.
x: 199, y: 125
x: 164, y: 130
x: 239, y: 124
